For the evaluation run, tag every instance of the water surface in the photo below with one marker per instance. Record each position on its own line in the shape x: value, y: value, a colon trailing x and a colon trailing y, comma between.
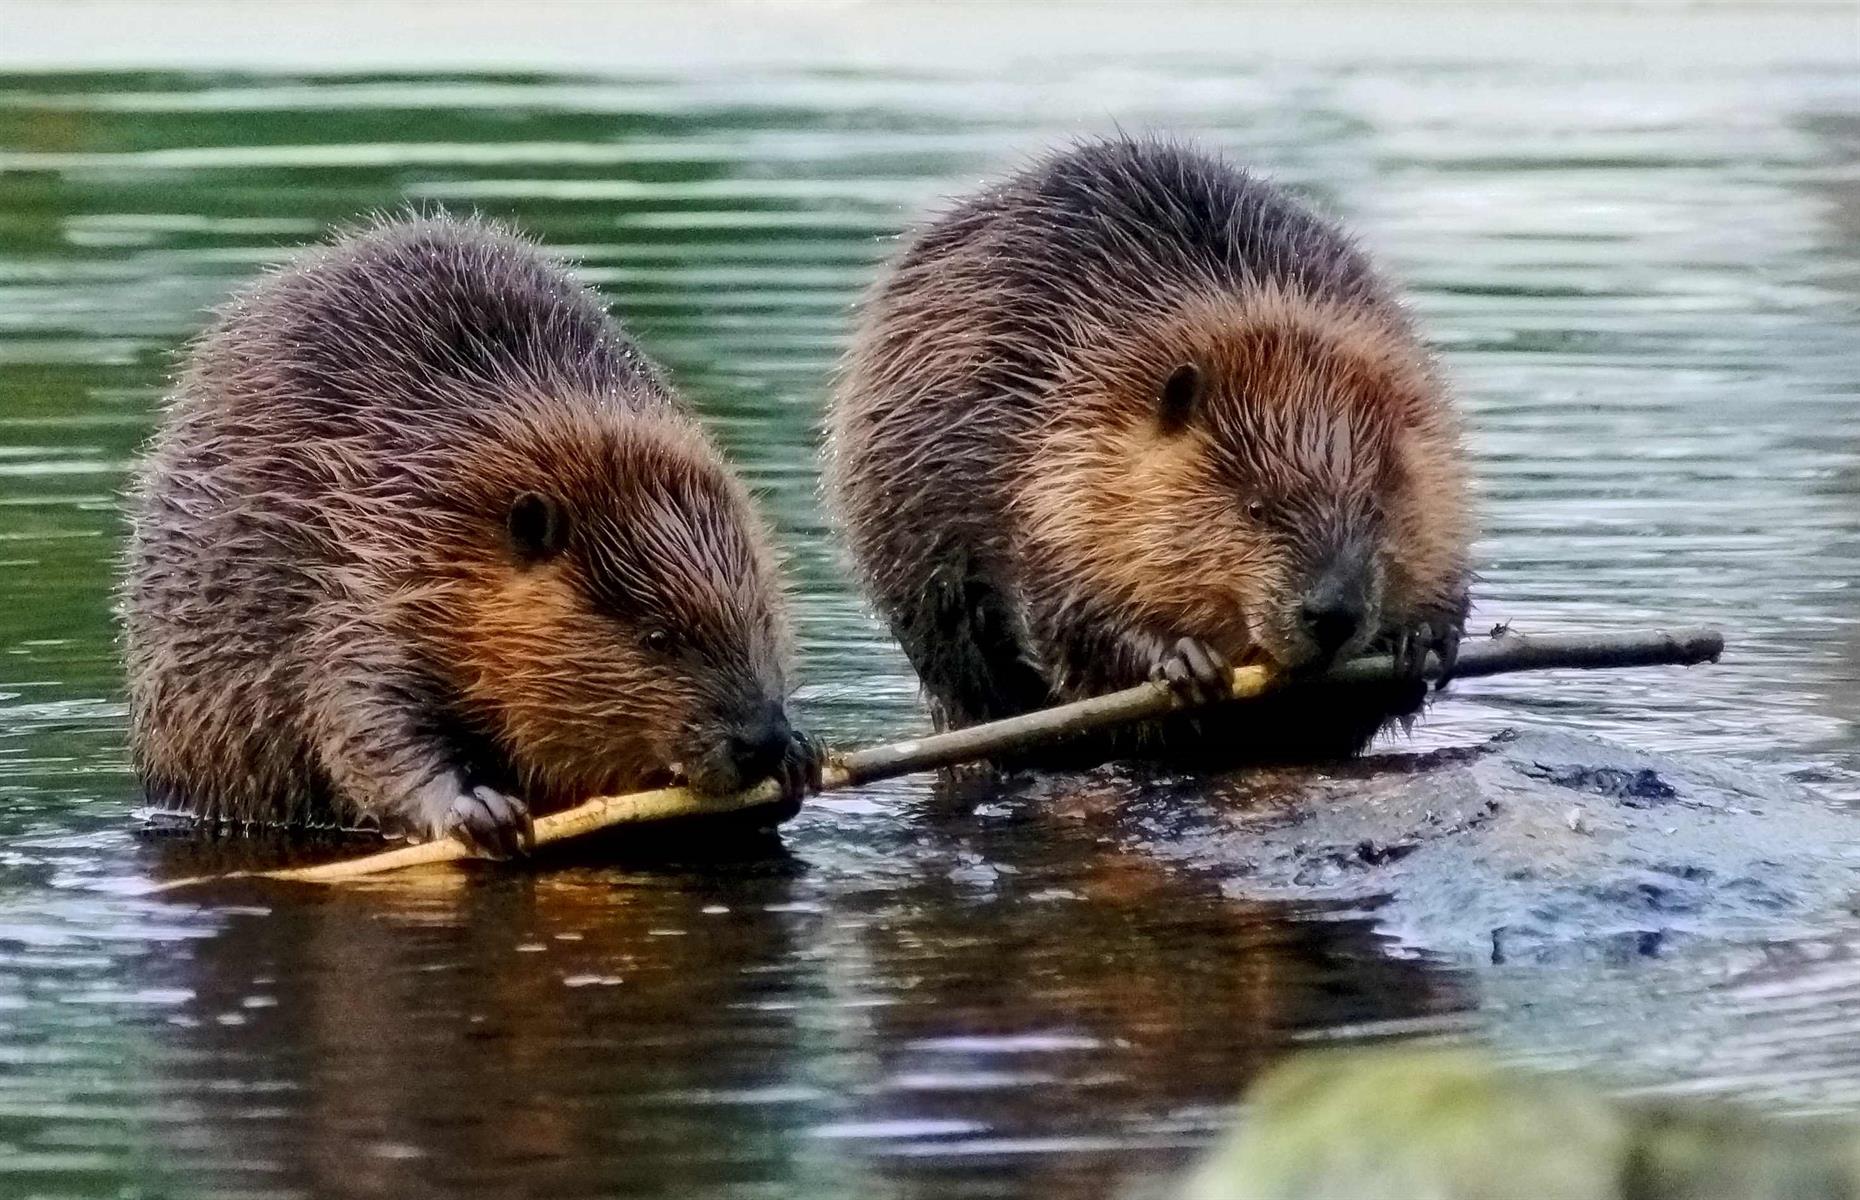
x: 1642, y: 276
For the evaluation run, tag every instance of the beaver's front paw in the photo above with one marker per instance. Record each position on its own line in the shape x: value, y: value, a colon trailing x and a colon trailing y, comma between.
x: 1195, y: 672
x: 491, y: 824
x: 800, y: 770
x: 1410, y: 648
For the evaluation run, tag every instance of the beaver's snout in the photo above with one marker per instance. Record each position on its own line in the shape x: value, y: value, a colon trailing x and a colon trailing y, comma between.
x: 1330, y: 619
x: 1336, y: 609
x: 758, y: 744
x: 1330, y: 625
x: 752, y: 743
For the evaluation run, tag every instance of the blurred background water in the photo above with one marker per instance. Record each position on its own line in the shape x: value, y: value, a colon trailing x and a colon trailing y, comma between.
x: 1633, y: 233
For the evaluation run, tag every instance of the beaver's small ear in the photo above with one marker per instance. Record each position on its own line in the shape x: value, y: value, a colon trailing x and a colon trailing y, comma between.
x: 1181, y: 396
x: 538, y: 527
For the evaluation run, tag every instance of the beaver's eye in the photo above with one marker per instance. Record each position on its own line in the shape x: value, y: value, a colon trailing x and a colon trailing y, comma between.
x: 658, y: 640
x: 1181, y: 394
x: 537, y: 526
x: 1256, y: 509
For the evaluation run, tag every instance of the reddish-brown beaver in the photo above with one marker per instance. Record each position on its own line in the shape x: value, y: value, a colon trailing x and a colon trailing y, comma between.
x: 1137, y: 413
x: 425, y: 542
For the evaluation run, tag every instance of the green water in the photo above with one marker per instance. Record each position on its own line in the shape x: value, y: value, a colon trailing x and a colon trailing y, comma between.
x: 1643, y: 282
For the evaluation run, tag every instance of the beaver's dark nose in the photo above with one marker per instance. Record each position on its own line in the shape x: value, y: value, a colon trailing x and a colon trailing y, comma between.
x: 1335, y: 604
x: 759, y: 743
x: 1331, y: 624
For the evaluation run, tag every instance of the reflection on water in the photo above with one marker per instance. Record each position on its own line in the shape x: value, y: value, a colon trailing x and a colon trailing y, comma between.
x: 1643, y: 282
x: 983, y: 1002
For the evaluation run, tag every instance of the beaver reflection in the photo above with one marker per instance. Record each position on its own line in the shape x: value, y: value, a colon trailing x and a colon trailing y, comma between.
x: 580, y: 1032
x: 1049, y: 989
x: 1071, y: 940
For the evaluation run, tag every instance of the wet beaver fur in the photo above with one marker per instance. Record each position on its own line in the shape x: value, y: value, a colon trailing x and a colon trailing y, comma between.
x: 425, y: 542
x: 1136, y: 413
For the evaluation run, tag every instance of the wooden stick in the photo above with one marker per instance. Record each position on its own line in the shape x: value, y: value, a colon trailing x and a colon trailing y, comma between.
x: 1499, y: 654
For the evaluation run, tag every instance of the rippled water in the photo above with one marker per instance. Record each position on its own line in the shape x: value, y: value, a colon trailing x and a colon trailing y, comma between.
x: 1643, y: 278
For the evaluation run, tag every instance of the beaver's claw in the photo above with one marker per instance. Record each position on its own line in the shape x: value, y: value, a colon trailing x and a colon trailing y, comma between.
x: 800, y: 771
x: 1195, y: 672
x: 800, y: 768
x: 1410, y: 648
x: 491, y: 824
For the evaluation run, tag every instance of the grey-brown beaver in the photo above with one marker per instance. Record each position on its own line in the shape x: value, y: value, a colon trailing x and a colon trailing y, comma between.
x: 1135, y: 412
x: 425, y: 541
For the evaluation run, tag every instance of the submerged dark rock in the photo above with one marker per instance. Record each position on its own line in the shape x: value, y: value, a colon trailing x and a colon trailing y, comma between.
x: 1530, y: 847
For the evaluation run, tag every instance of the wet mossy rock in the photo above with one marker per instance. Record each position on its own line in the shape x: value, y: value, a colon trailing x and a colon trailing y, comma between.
x: 1538, y: 847
x: 1414, y: 1125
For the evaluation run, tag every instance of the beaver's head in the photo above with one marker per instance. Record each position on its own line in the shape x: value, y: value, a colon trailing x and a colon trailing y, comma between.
x: 619, y: 617
x: 1271, y: 474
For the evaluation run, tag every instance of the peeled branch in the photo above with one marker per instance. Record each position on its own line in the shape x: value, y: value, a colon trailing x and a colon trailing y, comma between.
x: 1501, y: 653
